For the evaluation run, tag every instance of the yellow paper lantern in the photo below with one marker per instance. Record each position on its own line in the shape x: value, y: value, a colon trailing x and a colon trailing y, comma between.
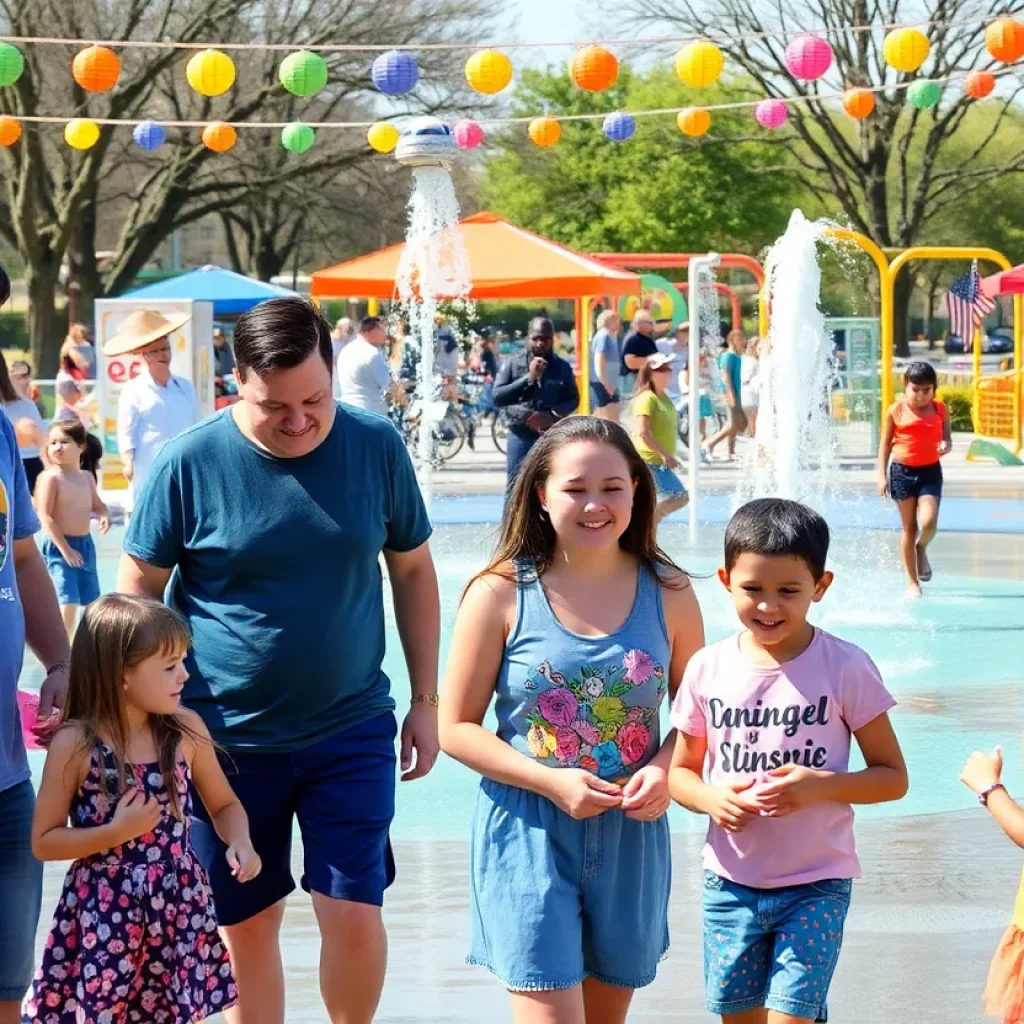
x: 1004, y: 40
x: 693, y: 122
x: 488, y: 71
x: 905, y: 49
x: 699, y: 64
x: 211, y: 73
x: 81, y: 133
x: 10, y: 131
x: 96, y: 69
x: 219, y: 137
x: 383, y: 136
x: 545, y: 131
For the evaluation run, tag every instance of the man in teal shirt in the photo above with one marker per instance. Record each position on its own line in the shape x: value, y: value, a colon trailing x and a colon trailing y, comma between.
x: 267, y: 521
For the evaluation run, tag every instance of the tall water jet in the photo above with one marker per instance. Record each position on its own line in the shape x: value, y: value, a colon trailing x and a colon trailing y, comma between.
x: 434, y: 263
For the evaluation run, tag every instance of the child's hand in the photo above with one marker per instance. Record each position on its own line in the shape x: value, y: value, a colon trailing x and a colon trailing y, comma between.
x: 883, y: 485
x: 74, y: 559
x: 581, y: 794
x: 982, y: 770
x: 645, y: 797
x: 243, y: 860
x: 728, y: 808
x: 104, y: 524
x: 944, y: 447
x: 135, y: 815
x: 793, y: 786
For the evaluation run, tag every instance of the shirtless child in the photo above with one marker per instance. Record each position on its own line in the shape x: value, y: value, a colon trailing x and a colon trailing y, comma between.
x: 66, y: 499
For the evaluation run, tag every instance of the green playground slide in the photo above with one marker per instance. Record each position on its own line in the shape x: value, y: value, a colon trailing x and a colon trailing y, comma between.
x: 992, y: 450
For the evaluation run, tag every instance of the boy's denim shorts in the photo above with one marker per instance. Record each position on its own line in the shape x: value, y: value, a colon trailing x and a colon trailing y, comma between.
x: 555, y: 900
x: 21, y: 891
x: 74, y: 584
x: 775, y: 948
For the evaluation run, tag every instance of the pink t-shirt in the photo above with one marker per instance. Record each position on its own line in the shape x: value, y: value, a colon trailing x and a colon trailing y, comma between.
x: 757, y: 719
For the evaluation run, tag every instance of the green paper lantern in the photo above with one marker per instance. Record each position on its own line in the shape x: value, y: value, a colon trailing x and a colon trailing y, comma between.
x: 303, y: 73
x: 923, y: 94
x: 297, y: 137
x: 12, y: 64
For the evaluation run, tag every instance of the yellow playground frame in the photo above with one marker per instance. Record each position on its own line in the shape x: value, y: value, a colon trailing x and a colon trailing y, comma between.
x: 996, y: 411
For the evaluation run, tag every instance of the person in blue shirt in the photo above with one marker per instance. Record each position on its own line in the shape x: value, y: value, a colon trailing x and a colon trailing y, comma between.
x: 265, y: 524
x: 731, y: 365
x: 604, y: 366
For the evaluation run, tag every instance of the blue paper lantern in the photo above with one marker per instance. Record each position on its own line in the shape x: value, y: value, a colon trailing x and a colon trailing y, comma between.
x: 395, y: 72
x: 149, y: 136
x: 619, y: 127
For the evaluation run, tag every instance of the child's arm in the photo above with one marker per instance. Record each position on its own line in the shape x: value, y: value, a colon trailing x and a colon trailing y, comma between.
x: 98, y: 507
x: 981, y: 773
x: 884, y: 451
x: 947, y: 434
x: 688, y: 788
x: 66, y: 767
x: 46, y: 503
x: 225, y: 809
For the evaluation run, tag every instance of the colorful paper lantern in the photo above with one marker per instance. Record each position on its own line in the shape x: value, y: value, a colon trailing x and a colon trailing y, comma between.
x: 1004, y: 40
x: 303, y: 73
x: 12, y: 64
x: 149, y: 136
x: 905, y: 49
x: 219, y: 137
x: 619, y: 127
x: 594, y: 69
x: 395, y: 72
x: 210, y: 73
x: 808, y: 57
x: 699, y: 64
x: 297, y: 137
x: 924, y: 94
x: 771, y: 113
x: 468, y: 134
x: 545, y: 131
x: 81, y: 133
x: 383, y: 136
x: 488, y: 71
x: 859, y: 103
x: 96, y: 69
x: 979, y: 84
x: 10, y: 131
x: 693, y: 122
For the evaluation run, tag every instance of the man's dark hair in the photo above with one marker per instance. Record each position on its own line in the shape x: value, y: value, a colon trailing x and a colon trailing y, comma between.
x: 774, y: 526
x: 280, y: 334
x: 370, y: 323
x: 922, y: 374
x: 5, y: 286
x: 540, y: 325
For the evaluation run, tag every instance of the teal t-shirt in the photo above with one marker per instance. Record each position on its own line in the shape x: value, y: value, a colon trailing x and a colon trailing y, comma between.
x: 732, y: 366
x: 277, y: 572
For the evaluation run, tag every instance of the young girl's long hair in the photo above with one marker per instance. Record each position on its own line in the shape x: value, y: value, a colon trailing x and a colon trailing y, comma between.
x: 7, y: 392
x: 117, y: 632
x: 527, y: 539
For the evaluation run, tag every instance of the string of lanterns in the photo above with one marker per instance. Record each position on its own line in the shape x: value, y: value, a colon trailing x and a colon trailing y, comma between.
x: 594, y: 68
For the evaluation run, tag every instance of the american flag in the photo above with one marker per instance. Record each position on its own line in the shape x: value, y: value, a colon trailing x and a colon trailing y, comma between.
x: 968, y: 306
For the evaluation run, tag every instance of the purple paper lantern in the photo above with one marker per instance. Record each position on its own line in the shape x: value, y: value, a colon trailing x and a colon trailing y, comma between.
x: 771, y: 113
x: 619, y: 127
x: 149, y: 136
x: 395, y: 72
x: 468, y: 134
x: 808, y: 57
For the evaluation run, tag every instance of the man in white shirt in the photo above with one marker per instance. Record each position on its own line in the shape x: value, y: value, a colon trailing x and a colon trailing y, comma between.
x: 676, y: 344
x: 156, y: 405
x: 361, y: 371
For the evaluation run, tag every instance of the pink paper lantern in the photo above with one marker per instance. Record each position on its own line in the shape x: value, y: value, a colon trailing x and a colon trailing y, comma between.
x: 468, y: 134
x: 808, y: 57
x: 771, y: 113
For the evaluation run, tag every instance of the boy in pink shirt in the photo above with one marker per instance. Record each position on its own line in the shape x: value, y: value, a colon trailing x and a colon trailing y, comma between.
x: 771, y: 712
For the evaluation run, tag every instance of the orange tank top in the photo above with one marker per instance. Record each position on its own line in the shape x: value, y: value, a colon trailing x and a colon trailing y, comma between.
x: 916, y: 438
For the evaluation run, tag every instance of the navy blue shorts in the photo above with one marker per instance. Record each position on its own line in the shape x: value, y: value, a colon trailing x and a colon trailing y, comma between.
x: 21, y: 891
x: 600, y: 396
x: 342, y: 792
x: 915, y: 481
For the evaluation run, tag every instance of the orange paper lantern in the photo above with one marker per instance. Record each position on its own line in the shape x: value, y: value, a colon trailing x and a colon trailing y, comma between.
x: 693, y: 122
x: 859, y: 103
x: 545, y: 131
x: 594, y: 68
x: 96, y: 69
x: 10, y: 131
x: 1004, y: 40
x: 219, y: 137
x: 979, y: 84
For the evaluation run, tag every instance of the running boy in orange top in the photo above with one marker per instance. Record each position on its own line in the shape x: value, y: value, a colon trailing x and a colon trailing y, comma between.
x: 916, y: 435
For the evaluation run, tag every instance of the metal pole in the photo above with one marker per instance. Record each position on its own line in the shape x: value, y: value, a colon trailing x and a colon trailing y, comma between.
x: 693, y: 273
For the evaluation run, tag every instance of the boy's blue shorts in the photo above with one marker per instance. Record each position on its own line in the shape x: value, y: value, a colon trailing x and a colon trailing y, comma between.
x: 342, y: 793
x: 776, y: 948
x: 74, y: 584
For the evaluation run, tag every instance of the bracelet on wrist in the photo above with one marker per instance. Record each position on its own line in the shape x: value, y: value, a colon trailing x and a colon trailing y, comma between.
x: 59, y: 666
x: 426, y: 698
x: 986, y: 793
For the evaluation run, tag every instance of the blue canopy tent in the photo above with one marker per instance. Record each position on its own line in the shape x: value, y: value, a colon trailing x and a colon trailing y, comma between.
x: 231, y: 294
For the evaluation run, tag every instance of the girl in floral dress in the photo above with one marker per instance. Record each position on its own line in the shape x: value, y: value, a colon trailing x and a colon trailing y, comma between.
x: 134, y: 937
x: 577, y: 629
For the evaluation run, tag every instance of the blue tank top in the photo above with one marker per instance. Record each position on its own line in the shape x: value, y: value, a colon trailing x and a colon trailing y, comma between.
x: 591, y: 702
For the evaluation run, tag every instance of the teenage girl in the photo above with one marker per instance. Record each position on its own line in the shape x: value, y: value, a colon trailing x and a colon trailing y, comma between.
x: 917, y: 434
x: 577, y: 629
x: 134, y: 936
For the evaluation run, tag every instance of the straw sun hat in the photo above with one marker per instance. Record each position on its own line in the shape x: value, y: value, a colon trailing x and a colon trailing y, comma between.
x: 142, y: 328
